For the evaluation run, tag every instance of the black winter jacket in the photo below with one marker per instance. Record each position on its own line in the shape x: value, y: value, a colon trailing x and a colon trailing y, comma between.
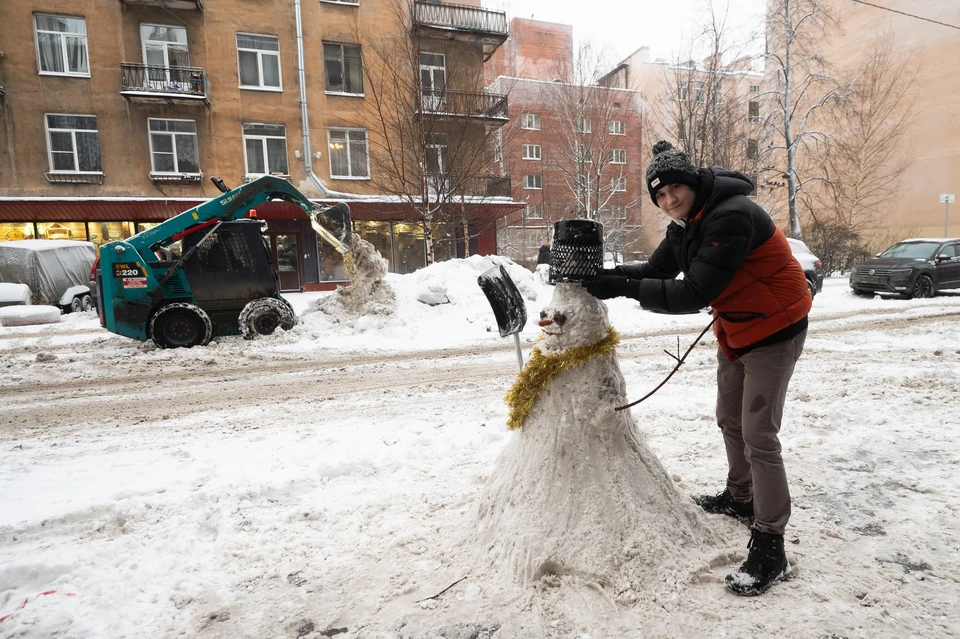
x: 708, y: 249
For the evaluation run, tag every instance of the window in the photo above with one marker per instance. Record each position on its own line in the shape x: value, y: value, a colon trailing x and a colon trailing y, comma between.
x: 701, y: 91
x: 533, y: 181
x: 682, y: 91
x: 530, y: 121
x: 533, y: 212
x: 584, y: 154
x: 753, y: 150
x: 618, y: 212
x: 754, y: 88
x: 618, y: 156
x: 718, y: 94
x: 173, y: 146
x: 341, y: 64
x: 62, y: 45
x: 618, y: 184
x: 531, y: 151
x: 754, y: 112
x: 73, y: 143
x: 616, y: 105
x: 265, y: 149
x: 355, y: 3
x: 583, y: 125
x: 164, y: 47
x: 348, y: 153
x: 259, y: 60
x: 618, y: 127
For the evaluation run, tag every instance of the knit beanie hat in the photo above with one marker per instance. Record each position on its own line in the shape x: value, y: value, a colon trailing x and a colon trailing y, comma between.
x: 670, y: 166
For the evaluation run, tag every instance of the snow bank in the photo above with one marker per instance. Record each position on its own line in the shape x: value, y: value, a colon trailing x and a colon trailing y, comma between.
x: 14, y: 293
x: 29, y: 315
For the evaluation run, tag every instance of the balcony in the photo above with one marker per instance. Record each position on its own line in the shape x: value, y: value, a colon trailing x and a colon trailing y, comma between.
x: 488, y: 29
x: 490, y: 107
x: 164, y: 85
x: 482, y: 186
x: 185, y: 5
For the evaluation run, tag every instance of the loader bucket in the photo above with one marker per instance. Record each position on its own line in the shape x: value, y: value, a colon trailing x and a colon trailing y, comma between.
x: 333, y: 224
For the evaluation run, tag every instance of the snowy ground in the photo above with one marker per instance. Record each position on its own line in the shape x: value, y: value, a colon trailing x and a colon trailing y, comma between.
x: 317, y: 483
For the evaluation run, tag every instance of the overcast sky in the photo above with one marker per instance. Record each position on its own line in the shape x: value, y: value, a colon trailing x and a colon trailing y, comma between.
x: 626, y: 25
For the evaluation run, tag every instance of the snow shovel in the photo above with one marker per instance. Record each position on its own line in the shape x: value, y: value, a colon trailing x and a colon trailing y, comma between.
x: 507, y: 304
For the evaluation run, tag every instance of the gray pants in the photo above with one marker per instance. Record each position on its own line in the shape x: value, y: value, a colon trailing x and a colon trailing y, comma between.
x: 750, y: 397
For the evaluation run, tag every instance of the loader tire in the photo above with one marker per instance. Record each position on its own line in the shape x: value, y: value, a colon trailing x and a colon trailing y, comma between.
x: 263, y: 316
x: 180, y: 325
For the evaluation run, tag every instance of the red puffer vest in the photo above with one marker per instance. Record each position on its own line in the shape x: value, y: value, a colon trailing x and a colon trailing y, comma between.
x: 772, y: 286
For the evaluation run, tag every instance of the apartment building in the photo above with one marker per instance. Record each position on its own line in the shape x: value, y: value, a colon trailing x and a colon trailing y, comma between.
x: 116, y: 112
x: 710, y: 108
x: 932, y: 139
x: 573, y: 148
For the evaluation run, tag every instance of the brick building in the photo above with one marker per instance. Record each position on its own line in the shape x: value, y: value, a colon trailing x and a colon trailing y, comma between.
x: 572, y: 148
x: 115, y: 113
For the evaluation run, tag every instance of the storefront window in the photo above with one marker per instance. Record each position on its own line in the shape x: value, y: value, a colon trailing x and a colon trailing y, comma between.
x: 103, y: 232
x: 12, y: 231
x: 61, y: 231
x: 143, y: 226
x: 332, y: 268
x: 444, y: 242
x: 411, y: 249
x: 378, y: 234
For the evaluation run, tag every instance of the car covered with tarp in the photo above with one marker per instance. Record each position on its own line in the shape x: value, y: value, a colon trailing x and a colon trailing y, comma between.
x: 56, y: 271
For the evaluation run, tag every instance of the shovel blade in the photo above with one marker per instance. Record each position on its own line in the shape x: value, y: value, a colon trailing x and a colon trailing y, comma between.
x: 505, y: 299
x: 333, y: 224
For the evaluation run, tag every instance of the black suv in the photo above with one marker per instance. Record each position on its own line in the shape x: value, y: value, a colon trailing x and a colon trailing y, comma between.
x: 911, y: 268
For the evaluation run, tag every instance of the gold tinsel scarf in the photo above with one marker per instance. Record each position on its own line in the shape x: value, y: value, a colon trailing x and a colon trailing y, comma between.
x: 542, y: 368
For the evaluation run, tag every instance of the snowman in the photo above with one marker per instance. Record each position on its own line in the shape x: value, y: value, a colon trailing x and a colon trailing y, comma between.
x: 577, y: 492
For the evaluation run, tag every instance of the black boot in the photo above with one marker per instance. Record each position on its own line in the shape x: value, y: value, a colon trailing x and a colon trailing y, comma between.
x: 725, y: 504
x: 766, y: 564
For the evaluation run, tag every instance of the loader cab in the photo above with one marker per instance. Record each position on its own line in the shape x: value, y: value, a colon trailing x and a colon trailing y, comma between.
x: 229, y: 269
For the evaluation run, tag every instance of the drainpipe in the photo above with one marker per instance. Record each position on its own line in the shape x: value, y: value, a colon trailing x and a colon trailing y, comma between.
x: 305, y: 118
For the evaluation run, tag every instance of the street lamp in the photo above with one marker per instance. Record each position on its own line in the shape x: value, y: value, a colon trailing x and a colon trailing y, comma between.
x: 947, y: 198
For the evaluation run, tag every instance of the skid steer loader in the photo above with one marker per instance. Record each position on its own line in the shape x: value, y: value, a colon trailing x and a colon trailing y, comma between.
x: 206, y: 272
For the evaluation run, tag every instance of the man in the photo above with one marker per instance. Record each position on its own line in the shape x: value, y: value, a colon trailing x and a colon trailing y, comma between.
x: 543, y: 256
x: 736, y: 261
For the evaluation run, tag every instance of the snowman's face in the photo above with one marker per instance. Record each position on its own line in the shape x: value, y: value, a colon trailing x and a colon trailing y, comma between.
x: 573, y: 318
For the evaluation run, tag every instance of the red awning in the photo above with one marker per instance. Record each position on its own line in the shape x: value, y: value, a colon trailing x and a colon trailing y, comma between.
x: 159, y: 209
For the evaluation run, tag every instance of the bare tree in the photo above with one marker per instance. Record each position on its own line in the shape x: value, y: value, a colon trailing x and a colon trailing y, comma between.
x: 431, y: 126
x: 592, y: 160
x: 863, y: 161
x: 704, y: 104
x: 798, y: 84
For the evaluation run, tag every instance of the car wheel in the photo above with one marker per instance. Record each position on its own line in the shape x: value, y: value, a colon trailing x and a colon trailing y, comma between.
x: 180, y: 326
x: 859, y: 292
x: 922, y: 288
x: 263, y: 316
x: 86, y: 302
x: 813, y: 287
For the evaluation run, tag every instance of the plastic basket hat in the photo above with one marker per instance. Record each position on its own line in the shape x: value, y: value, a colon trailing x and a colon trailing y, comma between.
x: 577, y: 251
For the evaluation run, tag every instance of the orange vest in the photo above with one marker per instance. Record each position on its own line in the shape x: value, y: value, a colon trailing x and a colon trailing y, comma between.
x: 767, y: 294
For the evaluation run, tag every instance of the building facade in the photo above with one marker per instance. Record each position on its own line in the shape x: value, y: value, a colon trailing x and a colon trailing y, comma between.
x: 708, y: 108
x: 117, y: 112
x: 932, y: 139
x: 573, y: 148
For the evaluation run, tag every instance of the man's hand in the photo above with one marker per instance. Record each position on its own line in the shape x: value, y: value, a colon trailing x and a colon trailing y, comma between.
x: 604, y: 287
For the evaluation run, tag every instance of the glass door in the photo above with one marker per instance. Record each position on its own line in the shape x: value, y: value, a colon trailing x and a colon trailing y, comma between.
x: 165, y: 47
x: 433, y: 80
x: 286, y: 255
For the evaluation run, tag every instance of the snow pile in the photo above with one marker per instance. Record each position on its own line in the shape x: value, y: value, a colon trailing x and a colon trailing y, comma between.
x: 14, y: 293
x: 29, y: 315
x: 443, y: 299
x: 367, y: 295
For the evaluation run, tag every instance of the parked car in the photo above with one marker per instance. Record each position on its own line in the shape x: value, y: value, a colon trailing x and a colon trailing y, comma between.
x: 56, y: 271
x: 917, y: 267
x: 812, y: 266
